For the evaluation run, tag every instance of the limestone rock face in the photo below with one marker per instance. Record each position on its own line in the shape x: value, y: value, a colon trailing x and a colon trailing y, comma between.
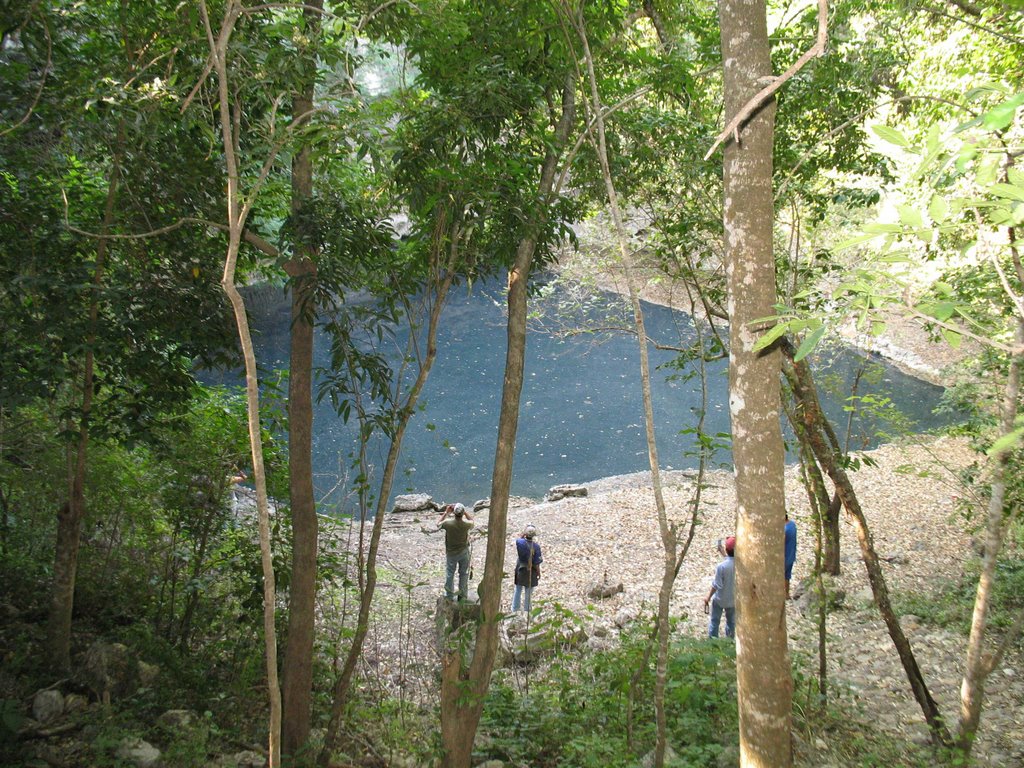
x: 47, y: 706
x: 413, y: 502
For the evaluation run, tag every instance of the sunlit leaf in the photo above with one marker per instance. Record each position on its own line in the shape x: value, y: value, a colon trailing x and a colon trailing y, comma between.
x: 1001, y: 117
x: 809, y: 343
x: 910, y: 216
x: 769, y: 338
x: 891, y: 135
x: 952, y: 338
x: 1007, y: 441
x: 938, y: 209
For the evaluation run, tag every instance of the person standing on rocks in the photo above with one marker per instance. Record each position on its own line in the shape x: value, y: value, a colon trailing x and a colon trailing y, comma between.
x: 456, y: 548
x: 527, y: 567
x: 722, y: 596
x: 790, y: 551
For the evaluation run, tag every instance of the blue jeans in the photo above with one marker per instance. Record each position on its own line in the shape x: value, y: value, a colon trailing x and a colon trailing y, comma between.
x: 716, y: 618
x: 520, y: 589
x: 458, y: 560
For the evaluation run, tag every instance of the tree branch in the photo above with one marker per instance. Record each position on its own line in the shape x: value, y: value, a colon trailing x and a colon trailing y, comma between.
x: 46, y: 71
x: 733, y: 128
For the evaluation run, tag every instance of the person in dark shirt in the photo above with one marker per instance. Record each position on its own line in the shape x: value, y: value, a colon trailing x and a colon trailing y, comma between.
x: 527, y: 567
x: 456, y: 548
x: 790, y: 551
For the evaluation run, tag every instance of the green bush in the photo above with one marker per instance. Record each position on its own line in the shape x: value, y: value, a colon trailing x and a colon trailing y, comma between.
x: 580, y: 712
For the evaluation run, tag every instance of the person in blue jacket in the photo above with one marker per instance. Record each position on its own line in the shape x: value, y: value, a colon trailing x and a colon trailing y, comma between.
x: 790, y: 551
x: 527, y: 567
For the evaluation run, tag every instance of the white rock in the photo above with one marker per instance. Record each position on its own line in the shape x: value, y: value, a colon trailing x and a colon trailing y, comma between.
x: 47, y: 706
x: 138, y: 752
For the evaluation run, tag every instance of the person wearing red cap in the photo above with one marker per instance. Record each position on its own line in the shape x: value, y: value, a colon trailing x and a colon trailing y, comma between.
x: 722, y: 596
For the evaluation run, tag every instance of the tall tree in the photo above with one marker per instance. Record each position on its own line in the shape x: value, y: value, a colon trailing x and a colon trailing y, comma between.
x: 297, y: 677
x: 765, y: 684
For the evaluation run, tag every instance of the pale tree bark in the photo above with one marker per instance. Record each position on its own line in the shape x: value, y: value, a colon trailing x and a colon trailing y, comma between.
x: 764, y: 679
x: 237, y: 213
x: 463, y: 687
x: 667, y: 532
x: 979, y: 663
x: 297, y: 672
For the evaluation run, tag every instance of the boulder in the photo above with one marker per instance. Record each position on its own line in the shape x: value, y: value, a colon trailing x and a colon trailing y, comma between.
x: 601, y: 589
x: 525, y: 639
x: 835, y: 597
x: 626, y: 615
x: 176, y: 719
x: 109, y: 670
x: 413, y: 502
x: 47, y: 706
x: 148, y: 673
x: 246, y: 759
x: 558, y: 492
x: 139, y: 753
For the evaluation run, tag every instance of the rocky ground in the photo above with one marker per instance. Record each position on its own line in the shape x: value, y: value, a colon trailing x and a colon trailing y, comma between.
x: 908, y: 497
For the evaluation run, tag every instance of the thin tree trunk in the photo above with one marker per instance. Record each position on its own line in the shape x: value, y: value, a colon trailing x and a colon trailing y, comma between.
x: 343, y: 684
x: 667, y: 532
x: 799, y: 376
x: 297, y: 670
x: 819, y: 500
x: 462, y: 689
x: 979, y: 665
x: 764, y: 678
x: 237, y: 213
x: 72, y: 512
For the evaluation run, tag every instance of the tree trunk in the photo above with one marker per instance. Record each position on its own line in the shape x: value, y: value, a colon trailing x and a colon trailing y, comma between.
x: 799, y: 376
x: 297, y: 669
x: 343, y: 684
x: 765, y: 684
x: 237, y: 213
x: 979, y: 665
x: 667, y: 532
x: 72, y: 512
x: 463, y: 689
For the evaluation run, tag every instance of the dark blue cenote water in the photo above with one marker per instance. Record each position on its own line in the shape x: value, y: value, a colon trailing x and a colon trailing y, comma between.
x: 581, y: 417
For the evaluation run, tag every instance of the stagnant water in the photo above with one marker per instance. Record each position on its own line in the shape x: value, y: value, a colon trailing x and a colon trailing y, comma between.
x: 581, y: 416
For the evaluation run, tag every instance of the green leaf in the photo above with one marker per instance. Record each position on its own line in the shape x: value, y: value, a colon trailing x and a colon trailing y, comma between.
x: 938, y: 209
x: 769, y: 338
x: 1008, y: 191
x: 809, y: 343
x: 952, y: 338
x: 910, y: 216
x: 966, y: 155
x: 988, y: 170
x: 1001, y: 117
x: 877, y: 327
x: 932, y: 142
x: 891, y: 135
x: 883, y: 228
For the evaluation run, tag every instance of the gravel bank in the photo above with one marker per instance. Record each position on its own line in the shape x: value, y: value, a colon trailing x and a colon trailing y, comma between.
x: 908, y: 497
